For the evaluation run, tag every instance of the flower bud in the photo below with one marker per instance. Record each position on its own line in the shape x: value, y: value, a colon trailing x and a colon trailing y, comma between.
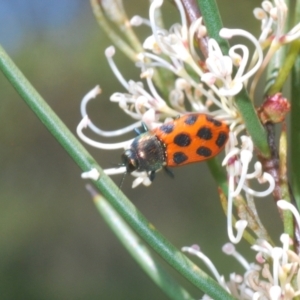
x: 274, y: 109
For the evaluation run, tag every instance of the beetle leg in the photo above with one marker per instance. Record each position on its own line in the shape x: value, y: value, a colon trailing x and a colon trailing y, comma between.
x: 152, y: 175
x: 144, y: 129
x: 169, y: 172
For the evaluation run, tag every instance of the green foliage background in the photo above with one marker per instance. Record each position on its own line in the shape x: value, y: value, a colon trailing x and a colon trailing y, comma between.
x: 53, y: 244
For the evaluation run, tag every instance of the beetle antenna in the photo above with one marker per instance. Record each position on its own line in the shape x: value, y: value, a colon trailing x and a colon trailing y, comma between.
x: 122, y: 180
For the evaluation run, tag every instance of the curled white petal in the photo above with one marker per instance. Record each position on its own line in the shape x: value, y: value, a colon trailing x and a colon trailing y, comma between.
x: 114, y: 171
x: 154, y: 5
x: 233, y: 152
x: 283, y: 204
x: 229, y: 249
x: 228, y: 33
x: 83, y: 124
x: 246, y: 157
x: 207, y: 262
x: 239, y: 225
x: 266, y: 177
x: 239, y: 60
x: 257, y: 171
x: 110, y: 52
x: 117, y: 132
x: 91, y: 95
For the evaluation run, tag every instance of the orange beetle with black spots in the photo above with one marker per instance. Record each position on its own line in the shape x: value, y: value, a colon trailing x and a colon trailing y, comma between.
x: 190, y: 138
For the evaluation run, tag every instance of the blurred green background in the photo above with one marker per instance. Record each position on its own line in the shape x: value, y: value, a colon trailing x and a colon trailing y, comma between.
x: 53, y: 243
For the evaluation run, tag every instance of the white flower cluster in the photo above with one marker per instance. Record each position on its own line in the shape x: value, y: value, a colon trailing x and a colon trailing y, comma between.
x: 209, y: 87
x: 274, y: 275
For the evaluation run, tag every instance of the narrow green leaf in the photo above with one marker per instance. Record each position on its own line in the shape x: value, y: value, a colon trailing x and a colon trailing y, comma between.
x: 286, y: 65
x: 138, y: 249
x: 295, y: 130
x: 295, y: 124
x: 213, y: 22
x: 109, y: 190
x: 288, y: 220
x: 219, y: 174
x: 252, y: 122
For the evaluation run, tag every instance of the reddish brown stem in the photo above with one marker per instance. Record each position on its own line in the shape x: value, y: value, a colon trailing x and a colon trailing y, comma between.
x: 272, y: 167
x: 193, y: 13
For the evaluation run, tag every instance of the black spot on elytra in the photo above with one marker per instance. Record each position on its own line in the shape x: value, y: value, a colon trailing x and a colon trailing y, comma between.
x: 204, y: 151
x: 191, y: 120
x: 204, y: 133
x: 182, y: 139
x: 179, y: 158
x: 167, y: 128
x: 214, y: 121
x: 222, y: 138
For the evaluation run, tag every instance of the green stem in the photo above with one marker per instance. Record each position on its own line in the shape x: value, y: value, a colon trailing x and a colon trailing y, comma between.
x: 295, y: 124
x: 219, y: 174
x: 295, y: 130
x: 245, y: 106
x: 287, y: 216
x: 213, y: 22
x: 285, y: 69
x: 252, y: 122
x: 109, y: 190
x: 138, y: 249
x: 275, y: 78
x: 118, y: 41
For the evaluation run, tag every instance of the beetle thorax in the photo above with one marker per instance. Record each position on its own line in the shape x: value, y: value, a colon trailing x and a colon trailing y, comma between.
x: 148, y: 152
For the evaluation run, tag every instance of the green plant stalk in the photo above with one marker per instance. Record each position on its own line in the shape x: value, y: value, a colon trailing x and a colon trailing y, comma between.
x: 274, y: 77
x: 118, y: 41
x: 109, y: 190
x: 273, y: 69
x: 285, y: 68
x: 295, y: 124
x: 287, y: 216
x: 295, y: 130
x: 219, y: 174
x: 213, y: 23
x: 138, y: 249
x: 279, y: 69
x: 252, y: 122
